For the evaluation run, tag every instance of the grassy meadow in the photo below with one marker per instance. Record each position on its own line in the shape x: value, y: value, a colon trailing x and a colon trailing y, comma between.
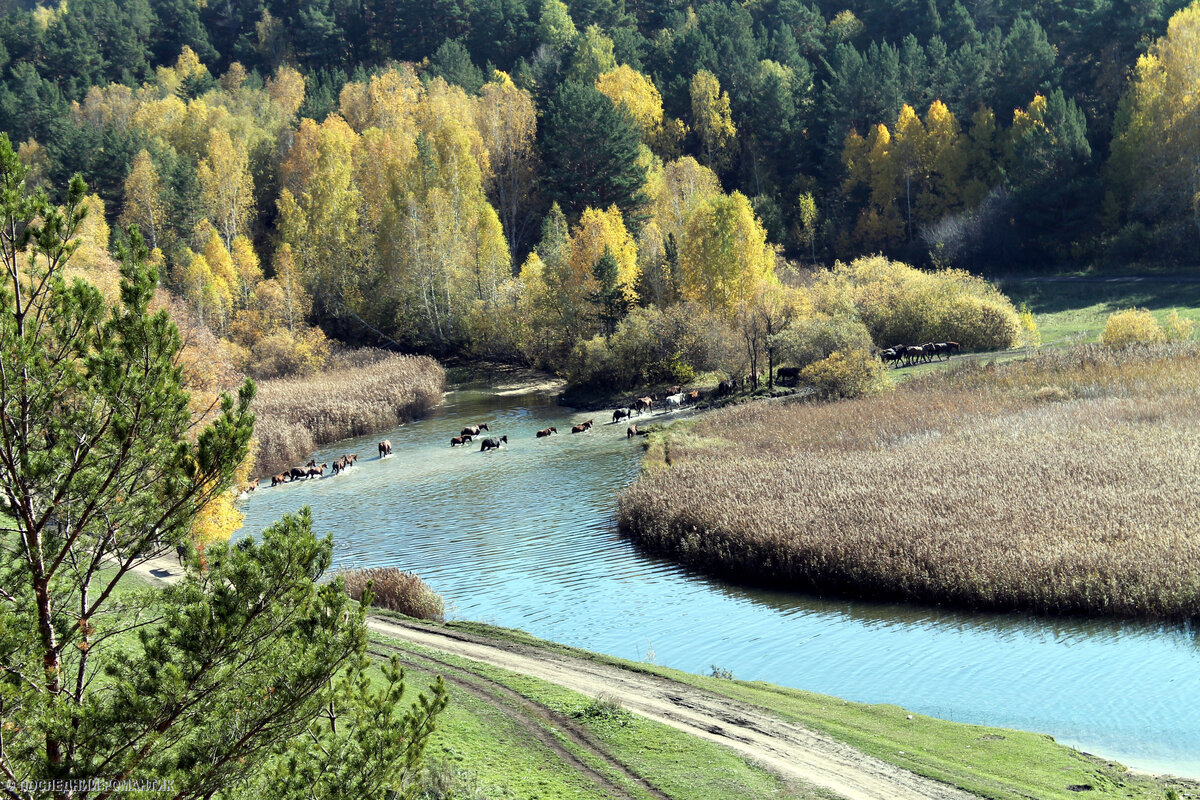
x: 362, y: 393
x: 1065, y: 483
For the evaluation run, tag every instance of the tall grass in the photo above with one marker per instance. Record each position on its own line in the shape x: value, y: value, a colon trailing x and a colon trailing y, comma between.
x: 396, y: 591
x: 363, y: 392
x: 1066, y: 483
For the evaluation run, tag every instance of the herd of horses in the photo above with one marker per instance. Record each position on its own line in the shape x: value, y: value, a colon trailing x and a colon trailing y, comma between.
x: 312, y: 470
x: 915, y: 354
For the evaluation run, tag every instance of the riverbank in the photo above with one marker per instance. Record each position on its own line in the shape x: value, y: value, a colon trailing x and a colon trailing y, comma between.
x: 1066, y: 483
x: 363, y: 392
x: 531, y: 718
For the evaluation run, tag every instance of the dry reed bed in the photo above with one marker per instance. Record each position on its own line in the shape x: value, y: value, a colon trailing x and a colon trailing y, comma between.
x: 362, y: 394
x: 1067, y: 483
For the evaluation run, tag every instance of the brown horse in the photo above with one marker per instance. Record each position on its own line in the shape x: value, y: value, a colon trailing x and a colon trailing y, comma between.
x: 350, y: 459
x: 252, y: 485
x: 547, y: 431
x: 456, y: 440
x: 312, y: 463
x: 694, y: 395
x: 316, y: 472
x: 642, y: 404
x: 296, y: 473
x: 492, y: 444
x: 631, y: 432
x: 278, y: 479
x: 583, y: 426
x: 385, y: 448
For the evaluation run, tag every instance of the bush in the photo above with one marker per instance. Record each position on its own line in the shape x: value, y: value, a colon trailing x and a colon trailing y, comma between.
x: 396, y: 591
x: 811, y: 339
x: 903, y: 305
x: 1127, y: 328
x: 653, y: 346
x: 845, y: 373
x: 282, y: 354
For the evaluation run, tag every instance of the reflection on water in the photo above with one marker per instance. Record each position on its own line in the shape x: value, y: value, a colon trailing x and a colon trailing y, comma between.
x: 525, y: 537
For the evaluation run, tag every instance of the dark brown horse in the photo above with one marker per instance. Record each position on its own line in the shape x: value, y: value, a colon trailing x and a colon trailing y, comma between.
x: 296, y: 473
x: 631, y: 432
x: 547, y: 431
x: 492, y: 444
x: 457, y: 440
x: 642, y: 404
x: 583, y: 426
x: 622, y: 413
x: 385, y: 448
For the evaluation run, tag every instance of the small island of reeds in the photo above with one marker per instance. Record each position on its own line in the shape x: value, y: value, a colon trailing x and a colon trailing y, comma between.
x: 1066, y: 483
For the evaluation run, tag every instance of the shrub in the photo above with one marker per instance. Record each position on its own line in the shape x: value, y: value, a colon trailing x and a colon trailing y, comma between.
x: 1179, y: 329
x: 653, y: 345
x: 1127, y: 328
x: 811, y: 339
x: 282, y: 354
x: 903, y: 305
x: 845, y: 373
x: 396, y: 591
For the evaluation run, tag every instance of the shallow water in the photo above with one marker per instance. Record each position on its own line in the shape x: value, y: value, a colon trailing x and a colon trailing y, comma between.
x: 525, y: 537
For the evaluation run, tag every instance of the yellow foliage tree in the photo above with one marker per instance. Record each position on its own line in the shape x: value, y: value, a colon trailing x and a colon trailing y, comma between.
x: 629, y: 88
x: 724, y: 254
x: 144, y: 205
x: 712, y: 119
x: 227, y: 190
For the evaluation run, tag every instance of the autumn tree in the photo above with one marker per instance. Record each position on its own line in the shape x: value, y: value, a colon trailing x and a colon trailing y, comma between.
x: 724, y: 254
x: 507, y: 121
x: 226, y: 185
x: 1156, y: 146
x: 144, y: 204
x: 712, y: 120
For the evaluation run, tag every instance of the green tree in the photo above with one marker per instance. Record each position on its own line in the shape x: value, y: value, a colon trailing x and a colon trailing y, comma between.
x: 610, y: 297
x: 103, y: 466
x: 590, y: 150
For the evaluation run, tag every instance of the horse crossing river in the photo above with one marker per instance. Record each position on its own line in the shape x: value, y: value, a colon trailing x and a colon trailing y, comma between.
x: 525, y: 536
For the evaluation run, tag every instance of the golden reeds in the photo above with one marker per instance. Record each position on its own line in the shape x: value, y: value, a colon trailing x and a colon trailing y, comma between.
x: 1068, y: 483
x: 363, y: 393
x: 396, y: 591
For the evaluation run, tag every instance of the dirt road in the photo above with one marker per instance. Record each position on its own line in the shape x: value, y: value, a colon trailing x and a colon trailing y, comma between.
x: 790, y: 750
x: 787, y: 749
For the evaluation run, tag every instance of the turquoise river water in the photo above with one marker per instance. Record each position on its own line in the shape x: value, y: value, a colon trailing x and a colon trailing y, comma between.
x: 525, y: 537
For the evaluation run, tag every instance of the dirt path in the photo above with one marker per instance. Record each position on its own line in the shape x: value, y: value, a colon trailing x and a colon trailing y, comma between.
x: 790, y: 750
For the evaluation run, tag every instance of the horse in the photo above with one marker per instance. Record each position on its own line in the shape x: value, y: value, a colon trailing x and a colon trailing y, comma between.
x: 278, y: 479
x: 642, y: 404
x: 789, y: 374
x: 492, y: 444
x: 581, y: 427
x: 473, y: 430
x: 457, y: 440
x: 914, y: 354
x: 339, y: 465
x: 296, y: 473
x: 316, y: 472
x: 724, y: 388
x: 351, y: 459
x: 675, y: 400
x: 890, y: 355
x: 547, y: 431
x: 181, y: 551
x: 622, y: 413
x: 694, y: 395
x: 385, y: 448
x: 252, y: 485
x: 951, y: 348
x: 631, y: 432
x: 312, y: 463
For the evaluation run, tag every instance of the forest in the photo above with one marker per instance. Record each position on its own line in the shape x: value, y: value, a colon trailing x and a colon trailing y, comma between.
x: 590, y: 184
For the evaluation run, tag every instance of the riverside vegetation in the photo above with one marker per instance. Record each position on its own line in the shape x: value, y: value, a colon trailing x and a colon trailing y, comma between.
x: 1063, y: 483
x: 364, y: 391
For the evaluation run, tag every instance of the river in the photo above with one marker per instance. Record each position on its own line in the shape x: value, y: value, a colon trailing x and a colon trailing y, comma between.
x: 525, y: 537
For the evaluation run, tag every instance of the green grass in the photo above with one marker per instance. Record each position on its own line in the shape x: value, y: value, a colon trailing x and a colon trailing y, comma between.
x: 1073, y: 308
x: 990, y: 762
x: 481, y: 739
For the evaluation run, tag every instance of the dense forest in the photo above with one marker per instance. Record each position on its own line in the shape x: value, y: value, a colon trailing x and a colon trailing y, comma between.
x: 517, y: 177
